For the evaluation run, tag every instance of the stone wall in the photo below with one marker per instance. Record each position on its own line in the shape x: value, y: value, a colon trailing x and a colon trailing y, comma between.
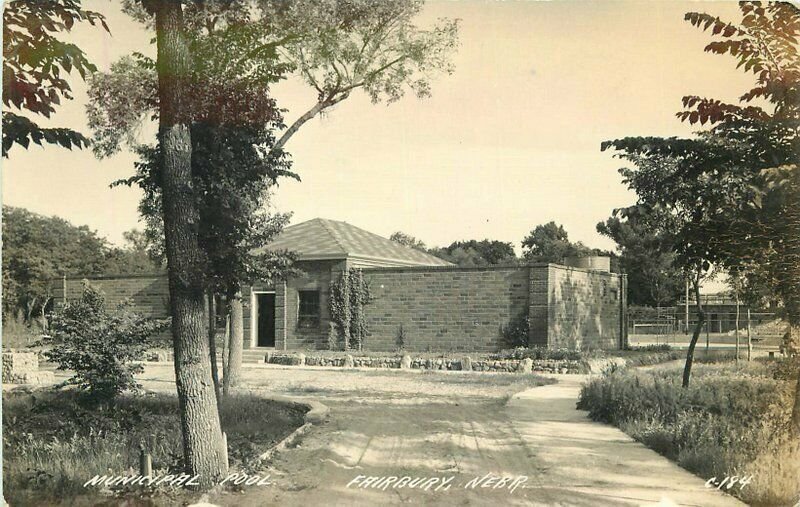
x: 561, y: 366
x: 23, y: 368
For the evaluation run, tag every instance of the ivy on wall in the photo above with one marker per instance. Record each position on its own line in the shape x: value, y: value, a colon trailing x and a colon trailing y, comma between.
x: 349, y: 294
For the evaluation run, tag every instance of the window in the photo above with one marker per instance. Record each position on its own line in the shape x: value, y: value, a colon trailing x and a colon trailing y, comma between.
x: 308, y: 310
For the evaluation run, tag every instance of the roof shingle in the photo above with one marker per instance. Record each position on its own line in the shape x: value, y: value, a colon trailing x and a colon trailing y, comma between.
x: 331, y: 239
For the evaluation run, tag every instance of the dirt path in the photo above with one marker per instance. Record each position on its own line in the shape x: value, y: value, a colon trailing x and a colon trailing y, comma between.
x: 456, y: 427
x: 588, y: 463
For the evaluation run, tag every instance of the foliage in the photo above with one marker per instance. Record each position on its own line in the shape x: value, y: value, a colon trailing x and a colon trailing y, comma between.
x: 515, y: 333
x: 408, y: 240
x: 338, y: 46
x: 348, y: 295
x: 734, y: 191
x: 460, y: 256
x: 681, y: 201
x: 38, y: 249
x: 335, y: 46
x: 333, y: 336
x: 745, y: 166
x: 119, y: 103
x: 400, y: 341
x: 135, y: 257
x: 650, y: 355
x: 550, y: 243
x: 19, y: 334
x: 99, y: 345
x: 764, y: 224
x: 645, y: 256
x: 339, y: 305
x: 233, y: 117
x: 732, y: 420
x: 661, y: 347
x: 52, y: 440
x: 467, y: 253
x: 238, y: 52
x: 479, y: 253
x: 359, y: 297
x: 33, y: 61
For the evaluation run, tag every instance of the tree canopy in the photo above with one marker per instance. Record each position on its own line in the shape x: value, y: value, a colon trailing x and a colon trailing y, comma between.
x: 34, y: 64
x: 550, y: 243
x: 38, y: 249
x: 232, y: 119
x: 645, y: 255
x: 408, y: 240
x: 733, y: 191
x: 478, y: 253
x: 339, y: 46
x: 335, y: 46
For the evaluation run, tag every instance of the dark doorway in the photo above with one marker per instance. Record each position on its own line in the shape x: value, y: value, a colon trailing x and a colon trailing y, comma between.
x: 265, y: 309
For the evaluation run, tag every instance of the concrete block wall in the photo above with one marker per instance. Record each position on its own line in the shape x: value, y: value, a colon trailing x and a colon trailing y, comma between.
x: 149, y: 294
x: 440, y: 308
x: 584, y: 309
x: 288, y: 335
x: 444, y: 308
x: 538, y: 305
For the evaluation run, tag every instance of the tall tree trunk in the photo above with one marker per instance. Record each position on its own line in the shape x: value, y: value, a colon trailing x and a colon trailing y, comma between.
x: 701, y: 318
x: 236, y: 343
x: 212, y: 341
x: 202, y: 436
x: 749, y: 337
x: 737, y: 327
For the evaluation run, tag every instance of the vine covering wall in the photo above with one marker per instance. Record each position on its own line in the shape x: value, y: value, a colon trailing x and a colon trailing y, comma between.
x: 349, y: 294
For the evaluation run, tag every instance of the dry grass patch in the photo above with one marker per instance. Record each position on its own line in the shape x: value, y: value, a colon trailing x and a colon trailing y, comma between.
x: 53, y: 442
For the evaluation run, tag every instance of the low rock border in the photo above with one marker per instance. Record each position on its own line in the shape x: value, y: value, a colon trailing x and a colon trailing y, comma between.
x: 559, y: 366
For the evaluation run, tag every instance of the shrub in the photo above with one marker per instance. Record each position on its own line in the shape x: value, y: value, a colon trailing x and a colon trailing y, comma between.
x: 401, y: 338
x: 333, y: 336
x: 99, y: 345
x: 656, y: 357
x: 732, y: 420
x: 515, y: 334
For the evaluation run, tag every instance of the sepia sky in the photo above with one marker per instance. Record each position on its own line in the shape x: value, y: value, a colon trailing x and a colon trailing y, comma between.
x: 509, y: 141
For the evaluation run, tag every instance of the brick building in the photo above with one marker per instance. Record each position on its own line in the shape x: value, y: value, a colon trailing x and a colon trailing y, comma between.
x: 441, y: 307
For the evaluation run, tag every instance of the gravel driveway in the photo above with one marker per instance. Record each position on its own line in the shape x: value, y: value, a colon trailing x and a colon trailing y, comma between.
x: 453, y: 439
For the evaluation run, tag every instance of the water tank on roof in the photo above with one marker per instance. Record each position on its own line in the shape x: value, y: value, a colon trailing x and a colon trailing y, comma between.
x: 593, y: 262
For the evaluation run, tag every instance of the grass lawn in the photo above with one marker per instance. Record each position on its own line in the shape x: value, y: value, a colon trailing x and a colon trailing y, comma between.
x: 733, y: 420
x: 53, y: 443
